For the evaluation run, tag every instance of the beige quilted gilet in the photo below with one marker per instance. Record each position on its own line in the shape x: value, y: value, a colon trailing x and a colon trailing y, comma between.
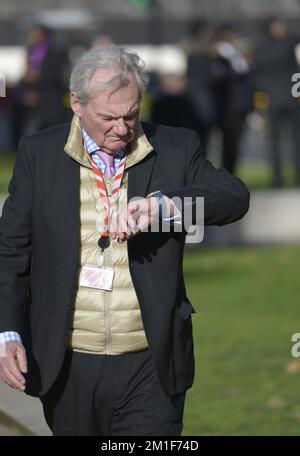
x: 104, y: 322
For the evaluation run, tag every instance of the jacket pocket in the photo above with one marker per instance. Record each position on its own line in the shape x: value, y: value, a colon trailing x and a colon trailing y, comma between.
x: 185, y: 308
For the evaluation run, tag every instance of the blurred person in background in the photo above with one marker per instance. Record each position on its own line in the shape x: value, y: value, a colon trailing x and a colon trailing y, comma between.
x: 112, y: 356
x: 38, y: 97
x: 199, y: 79
x: 275, y: 63
x: 172, y: 106
x: 6, y: 143
x: 232, y: 88
x: 101, y: 41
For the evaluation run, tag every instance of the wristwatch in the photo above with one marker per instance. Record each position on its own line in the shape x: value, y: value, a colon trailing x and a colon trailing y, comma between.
x: 162, y: 207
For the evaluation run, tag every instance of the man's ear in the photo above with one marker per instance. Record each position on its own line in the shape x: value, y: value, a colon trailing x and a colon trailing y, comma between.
x: 75, y: 105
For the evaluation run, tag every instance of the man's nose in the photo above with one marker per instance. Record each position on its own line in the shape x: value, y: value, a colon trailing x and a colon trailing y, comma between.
x: 121, y: 127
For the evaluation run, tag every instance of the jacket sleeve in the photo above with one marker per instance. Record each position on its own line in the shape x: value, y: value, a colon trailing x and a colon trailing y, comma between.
x: 226, y: 198
x: 15, y: 245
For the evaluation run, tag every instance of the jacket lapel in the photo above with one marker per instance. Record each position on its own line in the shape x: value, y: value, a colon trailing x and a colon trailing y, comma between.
x: 68, y: 182
x: 139, y: 175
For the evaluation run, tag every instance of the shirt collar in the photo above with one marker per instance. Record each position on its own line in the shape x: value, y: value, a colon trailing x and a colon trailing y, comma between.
x: 92, y: 147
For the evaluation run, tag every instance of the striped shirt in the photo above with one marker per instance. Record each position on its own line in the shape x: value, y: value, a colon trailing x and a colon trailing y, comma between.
x: 92, y: 147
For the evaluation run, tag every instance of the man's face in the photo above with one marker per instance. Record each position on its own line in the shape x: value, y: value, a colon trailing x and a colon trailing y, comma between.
x: 110, y: 117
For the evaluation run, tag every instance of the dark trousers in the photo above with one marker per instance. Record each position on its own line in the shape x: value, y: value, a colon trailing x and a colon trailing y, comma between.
x: 285, y: 121
x: 232, y: 131
x: 112, y: 395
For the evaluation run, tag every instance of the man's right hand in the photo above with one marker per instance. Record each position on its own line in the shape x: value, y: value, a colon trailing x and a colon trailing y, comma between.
x: 12, y: 364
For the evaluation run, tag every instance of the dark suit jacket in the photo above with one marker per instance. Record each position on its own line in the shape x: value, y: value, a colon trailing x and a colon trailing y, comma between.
x: 39, y: 249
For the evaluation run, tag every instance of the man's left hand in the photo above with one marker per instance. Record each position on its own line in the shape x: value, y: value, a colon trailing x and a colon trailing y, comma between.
x: 135, y: 217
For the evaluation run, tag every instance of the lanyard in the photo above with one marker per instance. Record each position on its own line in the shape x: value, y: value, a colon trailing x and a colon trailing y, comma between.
x: 108, y: 205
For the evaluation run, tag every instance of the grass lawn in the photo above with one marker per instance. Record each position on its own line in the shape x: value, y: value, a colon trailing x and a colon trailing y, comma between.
x: 247, y: 303
x: 6, y: 164
x: 259, y: 177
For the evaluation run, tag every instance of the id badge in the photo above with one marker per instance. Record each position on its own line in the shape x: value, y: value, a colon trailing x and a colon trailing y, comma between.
x: 95, y: 277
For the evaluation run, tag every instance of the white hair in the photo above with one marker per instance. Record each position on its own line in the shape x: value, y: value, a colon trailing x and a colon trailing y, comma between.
x: 103, y: 58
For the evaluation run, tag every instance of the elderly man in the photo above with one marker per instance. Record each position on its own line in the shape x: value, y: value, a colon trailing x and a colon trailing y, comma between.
x: 94, y: 317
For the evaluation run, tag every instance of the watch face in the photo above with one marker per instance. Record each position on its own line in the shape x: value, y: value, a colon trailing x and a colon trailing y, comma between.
x: 157, y: 194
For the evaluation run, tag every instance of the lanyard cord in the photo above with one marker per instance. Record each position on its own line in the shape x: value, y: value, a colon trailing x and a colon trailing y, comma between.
x: 108, y: 205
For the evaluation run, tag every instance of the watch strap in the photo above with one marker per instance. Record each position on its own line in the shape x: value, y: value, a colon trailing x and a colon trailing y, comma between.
x: 162, y: 207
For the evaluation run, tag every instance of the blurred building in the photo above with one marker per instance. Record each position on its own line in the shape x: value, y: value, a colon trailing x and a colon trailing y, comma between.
x: 136, y: 21
x: 157, y: 29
